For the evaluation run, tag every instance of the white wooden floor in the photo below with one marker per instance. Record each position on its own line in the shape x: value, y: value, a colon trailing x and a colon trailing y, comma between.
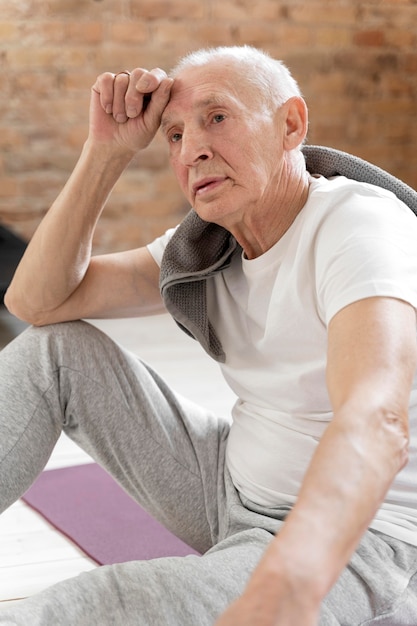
x: 32, y: 554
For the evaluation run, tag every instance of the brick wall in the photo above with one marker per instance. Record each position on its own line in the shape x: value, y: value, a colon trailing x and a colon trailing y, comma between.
x: 356, y: 61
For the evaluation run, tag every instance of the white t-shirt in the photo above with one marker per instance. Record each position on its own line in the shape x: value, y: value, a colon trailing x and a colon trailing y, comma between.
x: 350, y: 241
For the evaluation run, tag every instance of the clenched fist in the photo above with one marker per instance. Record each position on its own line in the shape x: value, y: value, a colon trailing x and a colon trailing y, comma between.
x: 126, y: 107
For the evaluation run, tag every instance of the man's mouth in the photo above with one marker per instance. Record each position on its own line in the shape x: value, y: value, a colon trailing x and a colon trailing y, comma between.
x: 207, y: 184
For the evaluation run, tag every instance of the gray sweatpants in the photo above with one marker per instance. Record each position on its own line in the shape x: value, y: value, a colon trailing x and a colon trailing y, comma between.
x: 169, y: 454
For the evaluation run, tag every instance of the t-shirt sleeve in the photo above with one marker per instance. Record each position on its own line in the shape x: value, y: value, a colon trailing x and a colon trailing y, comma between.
x: 367, y: 247
x: 158, y: 245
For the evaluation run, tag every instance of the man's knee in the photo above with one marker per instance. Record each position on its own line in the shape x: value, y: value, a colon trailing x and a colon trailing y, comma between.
x: 59, y: 341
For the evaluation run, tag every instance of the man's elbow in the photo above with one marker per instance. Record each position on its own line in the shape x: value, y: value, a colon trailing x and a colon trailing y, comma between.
x: 17, y: 307
x: 397, y: 431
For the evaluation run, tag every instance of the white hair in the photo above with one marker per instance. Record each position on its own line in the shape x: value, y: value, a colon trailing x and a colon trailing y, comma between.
x: 269, y: 75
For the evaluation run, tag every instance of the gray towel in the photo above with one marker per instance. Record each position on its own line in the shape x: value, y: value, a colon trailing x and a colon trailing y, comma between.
x: 199, y: 249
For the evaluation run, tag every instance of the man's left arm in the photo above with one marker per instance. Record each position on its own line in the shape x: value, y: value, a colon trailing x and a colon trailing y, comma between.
x: 370, y: 367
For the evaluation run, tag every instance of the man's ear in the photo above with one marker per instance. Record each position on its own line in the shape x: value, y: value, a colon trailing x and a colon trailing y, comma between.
x: 296, y: 122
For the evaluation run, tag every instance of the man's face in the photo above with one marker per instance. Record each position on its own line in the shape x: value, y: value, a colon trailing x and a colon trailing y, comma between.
x: 225, y: 143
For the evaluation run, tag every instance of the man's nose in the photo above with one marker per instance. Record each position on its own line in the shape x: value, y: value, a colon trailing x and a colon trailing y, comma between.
x: 194, y: 148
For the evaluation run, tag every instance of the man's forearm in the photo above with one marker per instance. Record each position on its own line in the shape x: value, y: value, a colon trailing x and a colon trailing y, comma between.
x: 341, y: 493
x: 57, y: 257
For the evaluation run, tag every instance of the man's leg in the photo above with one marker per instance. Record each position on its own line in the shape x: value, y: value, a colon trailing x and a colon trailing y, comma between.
x: 175, y: 591
x: 378, y: 588
x: 167, y: 453
x: 170, y: 456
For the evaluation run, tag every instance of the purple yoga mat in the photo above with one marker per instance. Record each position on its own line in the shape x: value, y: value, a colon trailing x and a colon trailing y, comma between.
x: 88, y: 506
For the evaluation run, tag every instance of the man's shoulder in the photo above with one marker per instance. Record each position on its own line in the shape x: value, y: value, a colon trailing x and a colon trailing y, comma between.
x: 351, y: 196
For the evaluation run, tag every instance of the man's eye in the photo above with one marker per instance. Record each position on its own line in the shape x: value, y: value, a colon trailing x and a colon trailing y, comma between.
x: 175, y: 137
x: 219, y: 117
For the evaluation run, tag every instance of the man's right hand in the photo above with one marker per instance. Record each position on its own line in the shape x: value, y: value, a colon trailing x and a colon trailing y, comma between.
x: 126, y: 108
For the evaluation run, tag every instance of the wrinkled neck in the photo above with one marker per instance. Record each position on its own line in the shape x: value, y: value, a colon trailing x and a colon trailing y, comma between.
x: 261, y: 228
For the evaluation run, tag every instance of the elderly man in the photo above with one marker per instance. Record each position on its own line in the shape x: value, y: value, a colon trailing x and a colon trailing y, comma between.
x: 304, y: 289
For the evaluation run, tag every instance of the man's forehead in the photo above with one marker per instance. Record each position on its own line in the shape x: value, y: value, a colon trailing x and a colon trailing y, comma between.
x: 206, y: 84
